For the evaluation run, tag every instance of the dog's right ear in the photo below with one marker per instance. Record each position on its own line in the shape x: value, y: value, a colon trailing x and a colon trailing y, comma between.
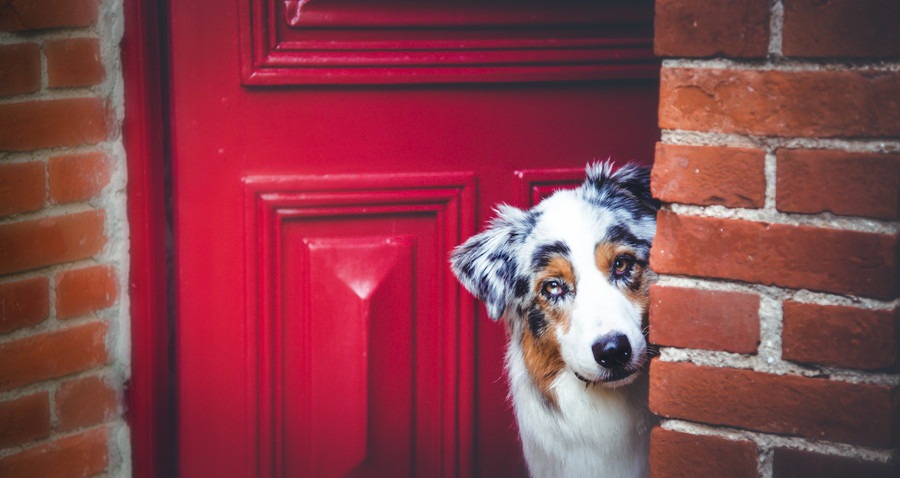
x: 485, y: 264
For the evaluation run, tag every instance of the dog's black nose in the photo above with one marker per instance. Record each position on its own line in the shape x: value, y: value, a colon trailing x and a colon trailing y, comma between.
x: 612, y: 350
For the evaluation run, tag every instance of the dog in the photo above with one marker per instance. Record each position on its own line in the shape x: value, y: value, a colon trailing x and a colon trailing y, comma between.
x: 570, y: 277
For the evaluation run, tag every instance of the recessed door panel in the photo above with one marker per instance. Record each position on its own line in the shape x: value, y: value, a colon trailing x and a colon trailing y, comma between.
x: 356, y: 346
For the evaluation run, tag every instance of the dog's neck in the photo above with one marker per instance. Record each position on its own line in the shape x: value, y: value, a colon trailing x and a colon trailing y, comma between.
x: 577, y: 427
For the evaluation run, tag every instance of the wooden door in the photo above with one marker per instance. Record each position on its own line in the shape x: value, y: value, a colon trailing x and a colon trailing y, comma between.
x: 326, y: 156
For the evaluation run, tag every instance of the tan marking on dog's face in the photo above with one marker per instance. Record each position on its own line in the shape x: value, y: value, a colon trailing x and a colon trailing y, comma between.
x: 543, y: 358
x: 637, y: 292
x: 543, y: 361
x: 604, y: 255
x: 560, y: 269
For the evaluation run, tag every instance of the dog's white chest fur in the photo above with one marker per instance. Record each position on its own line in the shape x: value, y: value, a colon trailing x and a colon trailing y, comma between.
x: 593, y: 432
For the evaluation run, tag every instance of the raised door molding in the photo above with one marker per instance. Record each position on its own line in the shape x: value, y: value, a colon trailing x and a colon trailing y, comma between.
x: 297, y: 42
x: 536, y: 184
x: 359, y: 344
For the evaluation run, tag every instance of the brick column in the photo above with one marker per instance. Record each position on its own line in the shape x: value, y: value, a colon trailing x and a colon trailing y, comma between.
x: 779, y: 169
x: 63, y: 240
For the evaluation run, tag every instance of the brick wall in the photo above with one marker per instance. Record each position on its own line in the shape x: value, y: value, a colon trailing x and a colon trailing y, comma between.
x: 63, y: 240
x: 779, y: 169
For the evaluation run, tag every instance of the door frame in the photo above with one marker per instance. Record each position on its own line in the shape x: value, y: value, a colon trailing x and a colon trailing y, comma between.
x: 149, y: 411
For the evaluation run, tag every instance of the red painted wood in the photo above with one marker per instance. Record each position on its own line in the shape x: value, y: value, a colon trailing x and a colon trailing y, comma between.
x: 346, y: 337
x: 367, y: 284
x: 143, y: 131
x: 273, y: 184
x: 439, y: 41
x: 306, y: 14
x: 538, y: 184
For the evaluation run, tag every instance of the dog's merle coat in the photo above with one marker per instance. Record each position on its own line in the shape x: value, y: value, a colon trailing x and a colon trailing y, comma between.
x: 570, y: 279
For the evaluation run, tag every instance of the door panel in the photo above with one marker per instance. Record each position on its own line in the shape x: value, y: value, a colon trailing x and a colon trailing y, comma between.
x: 356, y: 341
x: 318, y: 328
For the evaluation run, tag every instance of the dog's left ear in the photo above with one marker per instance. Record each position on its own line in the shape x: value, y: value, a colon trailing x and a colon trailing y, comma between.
x: 485, y: 265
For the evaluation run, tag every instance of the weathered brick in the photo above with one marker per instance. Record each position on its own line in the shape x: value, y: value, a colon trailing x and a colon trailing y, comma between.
x: 823, y: 103
x: 46, y: 124
x: 82, y: 291
x: 680, y: 455
x: 800, y: 257
x: 20, y: 68
x: 78, y: 177
x: 17, y: 15
x: 24, y: 419
x: 788, y: 463
x: 841, y: 28
x: 712, y: 28
x: 844, y: 183
x: 814, y: 408
x: 709, y: 175
x: 840, y: 336
x: 53, y: 240
x: 74, y: 62
x: 704, y: 319
x: 21, y: 187
x: 85, y: 402
x: 23, y: 303
x: 52, y: 355
x: 81, y: 455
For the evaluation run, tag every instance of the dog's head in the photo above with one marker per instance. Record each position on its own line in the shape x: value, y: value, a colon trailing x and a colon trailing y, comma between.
x: 570, y: 276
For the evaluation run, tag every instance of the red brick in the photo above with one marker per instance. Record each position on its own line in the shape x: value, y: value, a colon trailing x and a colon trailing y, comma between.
x: 840, y: 336
x: 712, y: 28
x: 24, y: 419
x: 814, y: 408
x: 51, y: 123
x: 709, y: 175
x: 20, y: 68
x: 788, y: 463
x: 85, y: 402
x: 841, y: 28
x: 798, y: 257
x: 848, y: 184
x: 680, y: 455
x: 83, y: 291
x: 21, y: 187
x: 53, y: 240
x: 23, y: 303
x: 78, y: 456
x: 781, y: 103
x: 78, y: 177
x: 704, y: 319
x: 52, y: 355
x: 16, y: 15
x: 74, y: 62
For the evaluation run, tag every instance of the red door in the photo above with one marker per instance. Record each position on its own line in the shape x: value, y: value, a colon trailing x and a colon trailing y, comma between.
x: 326, y: 156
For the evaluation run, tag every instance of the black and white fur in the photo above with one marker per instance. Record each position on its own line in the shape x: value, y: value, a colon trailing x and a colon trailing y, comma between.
x: 570, y: 279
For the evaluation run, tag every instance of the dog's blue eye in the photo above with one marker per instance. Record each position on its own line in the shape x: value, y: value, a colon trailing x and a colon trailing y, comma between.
x: 554, y: 288
x: 623, y: 265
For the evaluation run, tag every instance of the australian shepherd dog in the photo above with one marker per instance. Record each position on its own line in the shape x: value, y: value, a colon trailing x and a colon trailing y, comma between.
x: 570, y: 279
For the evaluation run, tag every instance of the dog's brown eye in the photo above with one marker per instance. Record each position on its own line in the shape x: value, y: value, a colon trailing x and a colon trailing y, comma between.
x: 623, y: 265
x: 554, y: 288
